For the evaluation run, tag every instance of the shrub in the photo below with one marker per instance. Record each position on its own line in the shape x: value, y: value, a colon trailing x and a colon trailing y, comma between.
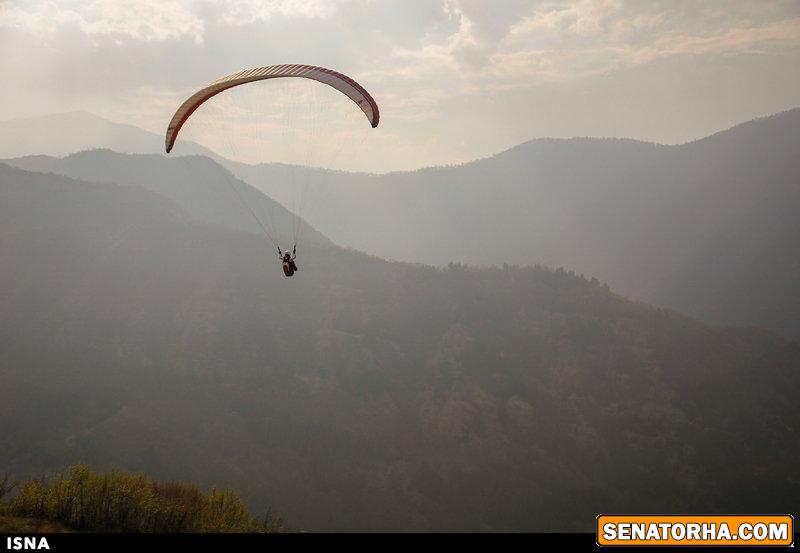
x: 118, y: 501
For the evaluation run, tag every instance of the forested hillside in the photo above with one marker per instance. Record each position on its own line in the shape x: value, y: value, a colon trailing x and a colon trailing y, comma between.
x: 363, y: 394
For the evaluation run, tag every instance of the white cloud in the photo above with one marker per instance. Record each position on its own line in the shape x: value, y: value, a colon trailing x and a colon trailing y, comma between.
x: 141, y: 19
x: 442, y: 70
x: 244, y: 12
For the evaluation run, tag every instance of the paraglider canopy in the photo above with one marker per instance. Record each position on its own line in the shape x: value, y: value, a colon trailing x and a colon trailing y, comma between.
x: 338, y: 81
x: 297, y: 121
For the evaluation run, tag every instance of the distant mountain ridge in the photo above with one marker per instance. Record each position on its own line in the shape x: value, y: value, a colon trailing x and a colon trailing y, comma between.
x: 708, y: 227
x: 66, y: 133
x: 203, y: 188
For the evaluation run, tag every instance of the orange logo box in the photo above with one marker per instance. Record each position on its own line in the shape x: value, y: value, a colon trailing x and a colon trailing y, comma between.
x: 747, y: 530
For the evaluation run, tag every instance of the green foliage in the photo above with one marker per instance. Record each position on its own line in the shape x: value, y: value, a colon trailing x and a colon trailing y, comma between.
x: 118, y: 501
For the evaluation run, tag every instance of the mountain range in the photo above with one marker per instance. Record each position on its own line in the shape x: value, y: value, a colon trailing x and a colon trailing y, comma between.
x: 141, y: 329
x: 708, y: 228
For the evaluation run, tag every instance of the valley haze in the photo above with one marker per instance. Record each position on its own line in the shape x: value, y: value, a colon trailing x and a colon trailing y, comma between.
x: 704, y: 227
x: 141, y: 305
x: 546, y: 266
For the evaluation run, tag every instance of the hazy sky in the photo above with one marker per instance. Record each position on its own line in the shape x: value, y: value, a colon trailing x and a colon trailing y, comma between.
x: 455, y: 79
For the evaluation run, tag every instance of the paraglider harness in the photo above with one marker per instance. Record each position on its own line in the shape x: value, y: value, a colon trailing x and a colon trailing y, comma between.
x: 289, y: 266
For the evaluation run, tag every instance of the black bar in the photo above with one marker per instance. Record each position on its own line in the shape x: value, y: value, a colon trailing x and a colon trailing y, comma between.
x: 147, y: 543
